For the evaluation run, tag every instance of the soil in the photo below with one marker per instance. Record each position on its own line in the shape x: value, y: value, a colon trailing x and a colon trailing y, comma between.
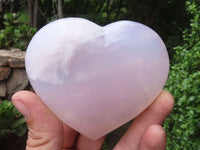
x: 13, y: 142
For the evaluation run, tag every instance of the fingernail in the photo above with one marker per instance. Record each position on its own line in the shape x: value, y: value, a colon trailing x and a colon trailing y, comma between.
x: 21, y: 108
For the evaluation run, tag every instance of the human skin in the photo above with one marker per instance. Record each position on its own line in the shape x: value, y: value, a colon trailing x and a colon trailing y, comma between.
x: 47, y: 132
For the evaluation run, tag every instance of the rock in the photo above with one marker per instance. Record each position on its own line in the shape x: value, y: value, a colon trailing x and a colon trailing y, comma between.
x: 17, y: 81
x: 14, y: 58
x: 16, y: 63
x: 3, y: 89
x: 3, y: 61
x: 4, y: 73
x: 13, y: 77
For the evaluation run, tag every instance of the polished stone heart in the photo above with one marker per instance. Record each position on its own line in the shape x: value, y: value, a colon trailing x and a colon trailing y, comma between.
x: 96, y: 78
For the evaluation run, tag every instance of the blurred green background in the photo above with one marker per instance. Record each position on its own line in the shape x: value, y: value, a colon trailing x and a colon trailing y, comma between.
x: 176, y: 21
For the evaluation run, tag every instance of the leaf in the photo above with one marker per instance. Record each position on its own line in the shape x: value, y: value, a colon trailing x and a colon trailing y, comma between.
x: 20, y: 131
x: 18, y: 123
x: 6, y: 23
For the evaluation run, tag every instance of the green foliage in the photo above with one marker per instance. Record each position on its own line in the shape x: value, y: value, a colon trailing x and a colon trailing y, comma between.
x: 168, y: 18
x: 11, y: 121
x: 155, y: 14
x: 105, y: 147
x: 183, y: 125
x: 15, y: 34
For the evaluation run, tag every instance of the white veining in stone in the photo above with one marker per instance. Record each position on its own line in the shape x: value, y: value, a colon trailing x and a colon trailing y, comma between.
x: 50, y: 47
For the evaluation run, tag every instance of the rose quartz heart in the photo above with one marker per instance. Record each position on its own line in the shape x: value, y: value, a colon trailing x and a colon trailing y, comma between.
x: 96, y: 78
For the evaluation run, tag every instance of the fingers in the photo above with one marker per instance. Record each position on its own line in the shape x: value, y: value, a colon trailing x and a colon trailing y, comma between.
x: 84, y: 143
x: 45, y: 130
x: 70, y: 136
x: 154, y: 114
x: 154, y: 138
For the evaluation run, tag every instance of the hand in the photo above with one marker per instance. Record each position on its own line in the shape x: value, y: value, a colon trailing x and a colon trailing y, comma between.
x: 47, y: 132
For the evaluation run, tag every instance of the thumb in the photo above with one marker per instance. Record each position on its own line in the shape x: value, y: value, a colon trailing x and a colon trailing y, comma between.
x: 45, y: 131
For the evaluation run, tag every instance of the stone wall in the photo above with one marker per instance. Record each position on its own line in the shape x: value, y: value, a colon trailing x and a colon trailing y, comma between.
x: 13, y: 76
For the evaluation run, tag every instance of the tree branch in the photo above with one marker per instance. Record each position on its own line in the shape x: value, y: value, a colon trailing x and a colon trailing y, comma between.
x: 118, y: 10
x: 35, y: 13
x: 59, y: 9
x: 100, y: 7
